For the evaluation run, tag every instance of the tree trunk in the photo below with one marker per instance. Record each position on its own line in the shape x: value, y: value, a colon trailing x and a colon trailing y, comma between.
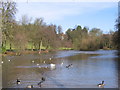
x: 5, y: 44
x: 40, y: 45
x: 47, y: 47
x: 32, y: 46
x: 2, y: 44
x: 10, y: 46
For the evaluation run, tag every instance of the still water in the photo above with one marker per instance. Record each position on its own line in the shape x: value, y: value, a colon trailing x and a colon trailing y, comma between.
x: 88, y: 69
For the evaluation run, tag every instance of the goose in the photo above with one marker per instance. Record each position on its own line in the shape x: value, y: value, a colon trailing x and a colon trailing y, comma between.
x: 101, y: 84
x: 30, y: 86
x: 40, y: 83
x: 69, y: 66
x: 9, y: 60
x: 42, y: 80
x: 37, y: 64
x: 18, y: 81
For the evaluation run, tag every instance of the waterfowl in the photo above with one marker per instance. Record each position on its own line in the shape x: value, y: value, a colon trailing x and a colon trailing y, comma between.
x: 33, y: 61
x: 52, y: 65
x: 42, y: 80
x: 40, y: 83
x: 62, y: 63
x: 69, y: 66
x: 2, y: 62
x: 9, y: 60
x: 50, y: 58
x: 44, y: 62
x: 30, y: 86
x: 37, y: 64
x: 18, y: 81
x: 101, y: 84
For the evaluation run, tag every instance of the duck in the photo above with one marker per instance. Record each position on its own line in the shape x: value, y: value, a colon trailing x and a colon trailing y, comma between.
x: 18, y: 81
x: 101, y: 84
x: 30, y: 86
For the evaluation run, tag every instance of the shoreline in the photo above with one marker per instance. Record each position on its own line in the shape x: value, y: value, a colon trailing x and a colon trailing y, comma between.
x: 26, y: 52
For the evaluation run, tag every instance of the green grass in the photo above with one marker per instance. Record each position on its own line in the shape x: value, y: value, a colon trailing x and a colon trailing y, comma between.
x: 29, y: 46
x: 63, y: 48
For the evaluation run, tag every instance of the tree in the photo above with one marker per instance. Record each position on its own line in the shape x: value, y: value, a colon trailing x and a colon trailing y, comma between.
x: 25, y: 20
x: 8, y: 15
x: 116, y: 36
x: 59, y: 29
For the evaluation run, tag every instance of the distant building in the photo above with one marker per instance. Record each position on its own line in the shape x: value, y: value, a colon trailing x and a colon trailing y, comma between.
x: 62, y: 36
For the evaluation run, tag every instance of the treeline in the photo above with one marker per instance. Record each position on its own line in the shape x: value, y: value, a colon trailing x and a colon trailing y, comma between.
x: 28, y: 33
x: 85, y: 39
x: 36, y: 34
x: 116, y: 36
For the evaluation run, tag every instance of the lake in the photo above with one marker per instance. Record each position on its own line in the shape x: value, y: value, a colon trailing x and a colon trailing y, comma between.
x: 88, y: 69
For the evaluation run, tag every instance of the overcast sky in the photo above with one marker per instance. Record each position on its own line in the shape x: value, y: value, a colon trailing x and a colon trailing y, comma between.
x: 68, y: 14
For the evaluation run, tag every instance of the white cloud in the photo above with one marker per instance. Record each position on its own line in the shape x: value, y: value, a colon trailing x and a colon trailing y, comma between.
x: 58, y: 11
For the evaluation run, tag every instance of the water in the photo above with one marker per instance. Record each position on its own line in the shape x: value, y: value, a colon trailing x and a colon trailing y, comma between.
x: 88, y: 69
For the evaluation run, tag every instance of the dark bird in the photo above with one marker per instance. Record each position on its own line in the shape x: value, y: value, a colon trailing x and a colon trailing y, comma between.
x: 69, y: 66
x: 18, y: 81
x: 101, y: 84
x: 42, y: 80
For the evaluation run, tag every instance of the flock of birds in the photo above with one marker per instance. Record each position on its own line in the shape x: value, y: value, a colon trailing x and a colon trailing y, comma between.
x: 18, y: 81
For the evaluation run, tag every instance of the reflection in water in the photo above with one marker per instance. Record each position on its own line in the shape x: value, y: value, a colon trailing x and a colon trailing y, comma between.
x: 118, y: 53
x: 87, y: 69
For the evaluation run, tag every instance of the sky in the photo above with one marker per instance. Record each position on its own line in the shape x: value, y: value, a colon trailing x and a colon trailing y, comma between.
x: 70, y: 14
